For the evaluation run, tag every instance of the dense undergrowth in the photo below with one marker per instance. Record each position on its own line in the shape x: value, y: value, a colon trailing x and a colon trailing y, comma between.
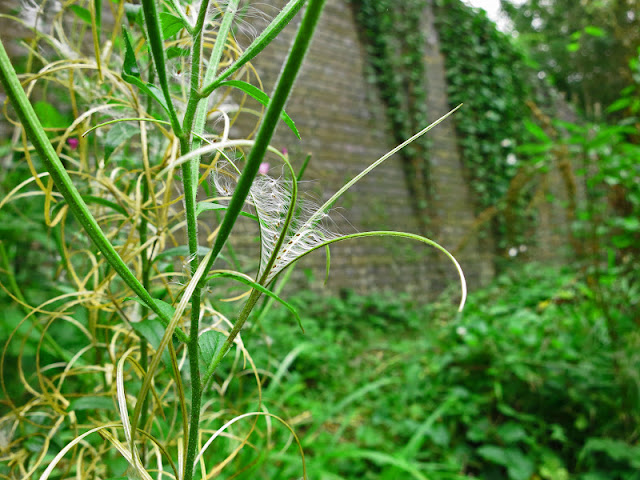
x: 526, y: 383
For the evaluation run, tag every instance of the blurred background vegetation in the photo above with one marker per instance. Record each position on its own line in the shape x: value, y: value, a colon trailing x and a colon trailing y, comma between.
x: 539, y: 377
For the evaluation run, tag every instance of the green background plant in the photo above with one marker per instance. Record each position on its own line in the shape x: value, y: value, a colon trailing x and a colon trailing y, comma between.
x: 485, y: 71
x: 526, y: 382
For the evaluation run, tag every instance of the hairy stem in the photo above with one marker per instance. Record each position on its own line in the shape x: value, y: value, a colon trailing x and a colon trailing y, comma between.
x: 190, y: 185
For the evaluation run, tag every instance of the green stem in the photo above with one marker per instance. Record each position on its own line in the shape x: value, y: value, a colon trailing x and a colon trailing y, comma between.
x: 198, y: 105
x: 146, y: 273
x: 196, y: 55
x: 156, y: 45
x: 196, y: 387
x: 190, y: 184
x: 65, y: 186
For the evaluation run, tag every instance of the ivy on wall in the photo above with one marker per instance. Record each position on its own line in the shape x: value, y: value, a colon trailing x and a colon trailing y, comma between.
x: 486, y: 72
x: 489, y: 75
x: 394, y: 38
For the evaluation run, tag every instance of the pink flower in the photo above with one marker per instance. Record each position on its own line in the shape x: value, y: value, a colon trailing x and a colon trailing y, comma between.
x: 73, y: 143
x: 264, y: 168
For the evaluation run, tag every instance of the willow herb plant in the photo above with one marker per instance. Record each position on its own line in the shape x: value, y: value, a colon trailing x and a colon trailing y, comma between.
x: 130, y: 330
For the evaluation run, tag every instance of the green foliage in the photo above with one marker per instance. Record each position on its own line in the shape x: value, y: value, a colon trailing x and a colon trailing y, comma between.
x: 526, y: 383
x: 605, y: 228
x: 582, y: 47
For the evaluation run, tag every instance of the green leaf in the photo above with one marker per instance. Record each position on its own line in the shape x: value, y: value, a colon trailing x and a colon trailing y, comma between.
x: 131, y: 72
x: 50, y: 117
x: 208, y: 206
x: 91, y: 403
x: 261, y: 289
x: 209, y: 345
x: 534, y: 148
x: 536, y: 131
x: 82, y: 13
x: 519, y: 467
x: 130, y: 65
x: 116, y: 136
x: 97, y: 7
x: 619, y: 105
x: 511, y: 432
x: 262, y: 97
x: 493, y: 454
x: 171, y: 24
x: 615, y: 449
x: 152, y: 330
x: 175, y: 52
x: 573, y: 47
x: 133, y: 13
x: 164, y: 307
x: 594, y: 31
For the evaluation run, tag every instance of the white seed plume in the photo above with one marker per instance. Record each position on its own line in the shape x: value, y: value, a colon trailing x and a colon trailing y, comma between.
x: 271, y: 198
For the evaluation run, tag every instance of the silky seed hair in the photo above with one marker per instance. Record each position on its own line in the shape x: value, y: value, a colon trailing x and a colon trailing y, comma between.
x: 271, y: 198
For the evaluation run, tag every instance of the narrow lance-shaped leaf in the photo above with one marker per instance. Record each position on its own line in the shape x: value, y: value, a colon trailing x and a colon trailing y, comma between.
x: 263, y: 98
x: 412, y: 236
x: 210, y: 206
x: 156, y: 46
x: 131, y: 72
x: 261, y: 289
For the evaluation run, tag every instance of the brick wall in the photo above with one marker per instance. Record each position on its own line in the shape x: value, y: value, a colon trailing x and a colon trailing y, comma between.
x: 343, y: 125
